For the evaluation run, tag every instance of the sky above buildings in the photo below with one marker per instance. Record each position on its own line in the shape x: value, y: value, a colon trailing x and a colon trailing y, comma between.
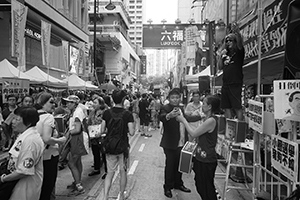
x: 157, y: 10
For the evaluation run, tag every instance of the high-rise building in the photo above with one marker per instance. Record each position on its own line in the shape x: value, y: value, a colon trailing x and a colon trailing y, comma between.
x: 135, y: 8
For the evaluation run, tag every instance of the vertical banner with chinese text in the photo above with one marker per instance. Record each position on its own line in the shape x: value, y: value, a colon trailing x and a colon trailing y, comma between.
x: 65, y: 52
x: 81, y: 48
x: 22, y: 58
x: 285, y: 157
x: 256, y: 118
x: 46, y: 35
x: 18, y: 20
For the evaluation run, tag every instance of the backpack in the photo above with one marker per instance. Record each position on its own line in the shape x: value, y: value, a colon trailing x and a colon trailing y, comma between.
x: 115, y: 140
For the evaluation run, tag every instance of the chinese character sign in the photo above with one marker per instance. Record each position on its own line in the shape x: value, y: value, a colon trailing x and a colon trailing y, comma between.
x: 287, y: 99
x: 256, y: 111
x: 285, y: 157
x: 18, y: 87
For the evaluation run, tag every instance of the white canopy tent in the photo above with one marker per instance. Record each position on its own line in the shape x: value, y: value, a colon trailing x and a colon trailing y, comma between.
x: 7, y: 70
x: 195, y: 78
x: 46, y: 79
x: 76, y: 83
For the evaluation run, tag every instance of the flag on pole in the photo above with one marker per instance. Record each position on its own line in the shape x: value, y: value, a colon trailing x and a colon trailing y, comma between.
x: 18, y: 20
x: 81, y: 58
x: 22, y: 58
x: 65, y: 51
x: 46, y: 35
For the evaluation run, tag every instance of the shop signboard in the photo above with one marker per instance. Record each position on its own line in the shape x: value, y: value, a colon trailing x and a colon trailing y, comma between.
x: 287, y: 99
x: 171, y: 36
x: 285, y: 157
x: 255, y: 114
x: 15, y: 86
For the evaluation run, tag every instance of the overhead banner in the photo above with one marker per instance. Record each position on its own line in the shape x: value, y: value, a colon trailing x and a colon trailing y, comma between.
x: 18, y: 20
x: 287, y: 99
x: 22, y: 58
x: 273, y: 30
x: 46, y: 35
x: 171, y: 36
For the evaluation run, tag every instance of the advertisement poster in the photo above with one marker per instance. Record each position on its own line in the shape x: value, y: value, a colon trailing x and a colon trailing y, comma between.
x: 255, y: 113
x: 285, y: 157
x: 18, y: 87
x: 287, y: 99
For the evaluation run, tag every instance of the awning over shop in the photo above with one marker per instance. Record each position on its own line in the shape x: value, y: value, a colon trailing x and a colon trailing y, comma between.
x: 45, y: 79
x: 7, y: 70
x: 271, y: 68
x: 76, y: 83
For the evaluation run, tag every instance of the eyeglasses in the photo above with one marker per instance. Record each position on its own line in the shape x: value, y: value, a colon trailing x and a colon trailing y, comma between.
x: 52, y: 102
x: 229, y: 40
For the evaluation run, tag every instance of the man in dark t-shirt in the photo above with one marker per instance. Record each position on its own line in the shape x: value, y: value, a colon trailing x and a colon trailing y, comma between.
x: 231, y: 61
x: 122, y: 159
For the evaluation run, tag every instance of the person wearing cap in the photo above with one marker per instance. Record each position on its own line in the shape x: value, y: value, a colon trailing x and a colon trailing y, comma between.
x: 77, y: 148
x: 231, y: 61
x: 205, y: 162
x: 173, y: 139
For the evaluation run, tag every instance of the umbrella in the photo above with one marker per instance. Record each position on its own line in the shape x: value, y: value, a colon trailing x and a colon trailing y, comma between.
x: 108, y: 86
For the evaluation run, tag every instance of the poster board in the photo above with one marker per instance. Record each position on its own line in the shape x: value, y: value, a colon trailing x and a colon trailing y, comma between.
x: 284, y: 157
x: 16, y: 86
x: 256, y: 115
x: 287, y: 99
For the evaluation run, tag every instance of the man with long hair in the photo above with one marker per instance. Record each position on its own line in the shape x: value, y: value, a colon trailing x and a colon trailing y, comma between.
x: 231, y: 61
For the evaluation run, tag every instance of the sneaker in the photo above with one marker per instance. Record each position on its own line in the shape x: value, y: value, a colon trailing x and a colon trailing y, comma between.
x: 71, y: 186
x: 77, y: 191
x: 103, y: 176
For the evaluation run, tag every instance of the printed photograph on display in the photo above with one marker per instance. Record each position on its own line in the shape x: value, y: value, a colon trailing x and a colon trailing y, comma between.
x: 287, y: 99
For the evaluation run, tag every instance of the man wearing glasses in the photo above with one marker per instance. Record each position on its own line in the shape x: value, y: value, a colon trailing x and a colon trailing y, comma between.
x: 231, y: 61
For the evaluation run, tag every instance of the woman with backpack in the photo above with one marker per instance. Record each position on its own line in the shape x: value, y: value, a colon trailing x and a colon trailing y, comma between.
x: 46, y: 128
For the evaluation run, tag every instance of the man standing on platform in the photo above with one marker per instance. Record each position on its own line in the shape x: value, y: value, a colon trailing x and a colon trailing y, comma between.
x: 231, y: 61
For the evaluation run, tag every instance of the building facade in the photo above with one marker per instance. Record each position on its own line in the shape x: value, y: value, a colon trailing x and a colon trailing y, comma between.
x: 135, y: 8
x: 68, y: 19
x: 116, y: 55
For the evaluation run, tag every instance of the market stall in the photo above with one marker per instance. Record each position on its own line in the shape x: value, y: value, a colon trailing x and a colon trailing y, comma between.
x: 76, y: 83
x: 45, y: 79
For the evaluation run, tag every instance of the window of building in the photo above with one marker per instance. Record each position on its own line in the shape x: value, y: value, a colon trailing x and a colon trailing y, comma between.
x: 131, y: 7
x: 139, y: 1
x: 138, y: 22
x: 139, y: 7
x: 131, y: 1
x: 139, y: 38
x: 139, y: 12
x: 139, y: 17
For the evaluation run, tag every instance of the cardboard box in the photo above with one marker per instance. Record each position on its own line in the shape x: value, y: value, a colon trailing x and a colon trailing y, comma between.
x: 236, y: 131
x: 60, y: 124
x: 186, y: 157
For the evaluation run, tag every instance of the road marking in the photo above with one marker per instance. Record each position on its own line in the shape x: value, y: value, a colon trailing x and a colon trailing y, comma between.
x: 142, y: 147
x: 133, y: 167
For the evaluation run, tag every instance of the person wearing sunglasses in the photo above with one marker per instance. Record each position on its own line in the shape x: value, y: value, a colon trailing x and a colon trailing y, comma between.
x: 231, y: 61
x: 46, y: 128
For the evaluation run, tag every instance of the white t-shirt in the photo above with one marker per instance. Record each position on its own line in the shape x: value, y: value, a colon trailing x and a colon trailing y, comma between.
x: 47, y: 120
x: 26, y: 158
x: 78, y: 113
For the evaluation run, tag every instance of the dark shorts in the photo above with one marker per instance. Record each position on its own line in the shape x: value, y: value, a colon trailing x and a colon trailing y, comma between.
x: 144, y: 119
x: 231, y: 97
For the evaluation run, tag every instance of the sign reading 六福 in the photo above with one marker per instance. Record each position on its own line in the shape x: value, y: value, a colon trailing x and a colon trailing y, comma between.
x: 256, y: 112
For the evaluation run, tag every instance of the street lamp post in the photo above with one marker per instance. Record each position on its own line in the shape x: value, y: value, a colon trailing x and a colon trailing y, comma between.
x: 95, y: 41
